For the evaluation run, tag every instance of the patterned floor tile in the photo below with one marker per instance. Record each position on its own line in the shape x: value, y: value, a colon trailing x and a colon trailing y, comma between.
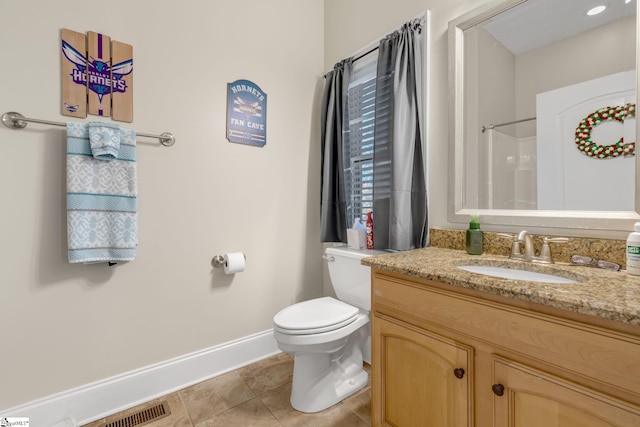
x: 209, y: 398
x: 256, y: 395
x: 269, y: 373
x: 251, y: 413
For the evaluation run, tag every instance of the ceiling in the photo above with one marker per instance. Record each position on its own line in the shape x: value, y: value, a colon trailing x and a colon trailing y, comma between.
x: 536, y: 23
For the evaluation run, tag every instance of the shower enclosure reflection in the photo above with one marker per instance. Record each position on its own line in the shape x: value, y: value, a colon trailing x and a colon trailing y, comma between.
x: 508, y: 168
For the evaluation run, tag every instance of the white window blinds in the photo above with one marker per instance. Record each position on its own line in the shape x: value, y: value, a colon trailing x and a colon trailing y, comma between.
x: 358, y: 141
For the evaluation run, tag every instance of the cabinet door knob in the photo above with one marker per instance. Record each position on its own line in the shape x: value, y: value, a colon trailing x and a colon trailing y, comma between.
x: 498, y: 389
x: 459, y: 373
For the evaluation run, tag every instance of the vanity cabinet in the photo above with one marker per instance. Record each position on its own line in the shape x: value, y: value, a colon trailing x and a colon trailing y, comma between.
x: 531, y: 398
x: 444, y: 356
x: 425, y: 376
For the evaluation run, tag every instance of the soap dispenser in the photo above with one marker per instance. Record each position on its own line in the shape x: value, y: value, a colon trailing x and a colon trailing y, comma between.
x: 474, y: 237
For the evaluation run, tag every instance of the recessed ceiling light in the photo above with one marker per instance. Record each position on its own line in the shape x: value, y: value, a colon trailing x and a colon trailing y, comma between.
x: 596, y: 10
x: 627, y: 1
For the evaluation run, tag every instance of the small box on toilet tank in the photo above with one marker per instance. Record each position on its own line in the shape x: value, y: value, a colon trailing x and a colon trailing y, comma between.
x: 356, y: 238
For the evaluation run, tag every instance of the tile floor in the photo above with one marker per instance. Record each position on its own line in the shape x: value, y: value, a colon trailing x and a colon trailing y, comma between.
x: 257, y: 396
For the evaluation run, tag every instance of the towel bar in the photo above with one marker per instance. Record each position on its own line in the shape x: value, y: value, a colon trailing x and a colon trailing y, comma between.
x: 15, y: 120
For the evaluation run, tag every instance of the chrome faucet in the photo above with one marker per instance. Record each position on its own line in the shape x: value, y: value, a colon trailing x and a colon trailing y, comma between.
x: 522, y: 247
x: 527, y: 239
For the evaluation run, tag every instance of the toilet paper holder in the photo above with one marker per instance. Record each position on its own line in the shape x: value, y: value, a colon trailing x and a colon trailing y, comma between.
x: 219, y: 262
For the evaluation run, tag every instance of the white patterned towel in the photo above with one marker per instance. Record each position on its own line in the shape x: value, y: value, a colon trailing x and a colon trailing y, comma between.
x: 102, y: 203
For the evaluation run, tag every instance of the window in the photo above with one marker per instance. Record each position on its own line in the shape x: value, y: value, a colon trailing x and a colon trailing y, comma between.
x: 376, y: 125
x: 359, y: 140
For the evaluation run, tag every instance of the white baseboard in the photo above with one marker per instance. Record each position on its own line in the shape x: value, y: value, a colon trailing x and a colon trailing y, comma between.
x: 96, y: 400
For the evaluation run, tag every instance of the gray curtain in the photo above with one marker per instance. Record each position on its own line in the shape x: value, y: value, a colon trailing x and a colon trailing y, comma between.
x: 400, y: 211
x: 334, y: 125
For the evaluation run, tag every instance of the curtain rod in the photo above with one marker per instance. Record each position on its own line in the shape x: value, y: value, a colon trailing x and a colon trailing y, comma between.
x: 15, y: 120
x: 360, y: 56
x: 484, y: 128
x: 356, y: 56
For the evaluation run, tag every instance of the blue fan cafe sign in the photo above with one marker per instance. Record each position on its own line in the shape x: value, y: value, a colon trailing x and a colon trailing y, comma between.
x: 246, y: 113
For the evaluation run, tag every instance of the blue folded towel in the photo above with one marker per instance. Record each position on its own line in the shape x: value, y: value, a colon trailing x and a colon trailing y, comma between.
x: 102, y: 204
x: 104, y: 139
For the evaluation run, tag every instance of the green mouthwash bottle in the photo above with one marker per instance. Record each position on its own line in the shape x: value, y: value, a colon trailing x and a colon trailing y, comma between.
x: 474, y: 237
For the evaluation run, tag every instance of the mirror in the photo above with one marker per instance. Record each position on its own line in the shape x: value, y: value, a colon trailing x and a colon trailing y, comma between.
x: 525, y: 76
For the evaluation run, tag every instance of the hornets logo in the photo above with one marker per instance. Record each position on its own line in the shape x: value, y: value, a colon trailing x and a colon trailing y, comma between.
x: 99, y: 76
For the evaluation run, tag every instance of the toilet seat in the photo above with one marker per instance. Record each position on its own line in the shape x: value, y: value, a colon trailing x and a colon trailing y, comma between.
x: 315, y: 316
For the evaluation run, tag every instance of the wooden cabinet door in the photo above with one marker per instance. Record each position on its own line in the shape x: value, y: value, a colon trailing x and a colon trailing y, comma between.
x: 531, y: 398
x: 419, y: 379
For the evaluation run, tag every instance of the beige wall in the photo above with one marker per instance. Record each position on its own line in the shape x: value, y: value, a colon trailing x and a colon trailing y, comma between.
x: 489, y: 98
x: 63, y: 325
x: 66, y: 325
x: 583, y: 57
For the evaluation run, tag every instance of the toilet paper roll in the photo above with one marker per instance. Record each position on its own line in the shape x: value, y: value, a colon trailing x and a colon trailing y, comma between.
x: 234, y: 262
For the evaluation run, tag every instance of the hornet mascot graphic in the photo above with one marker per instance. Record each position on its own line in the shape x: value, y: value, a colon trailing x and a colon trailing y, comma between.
x: 102, y: 77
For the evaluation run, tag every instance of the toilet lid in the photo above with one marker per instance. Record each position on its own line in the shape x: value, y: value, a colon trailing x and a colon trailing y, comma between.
x: 315, y: 316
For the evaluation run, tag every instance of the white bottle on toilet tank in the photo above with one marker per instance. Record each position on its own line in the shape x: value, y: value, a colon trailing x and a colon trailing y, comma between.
x: 633, y: 251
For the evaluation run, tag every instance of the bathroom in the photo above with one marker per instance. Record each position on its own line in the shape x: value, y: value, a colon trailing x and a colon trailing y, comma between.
x: 73, y: 327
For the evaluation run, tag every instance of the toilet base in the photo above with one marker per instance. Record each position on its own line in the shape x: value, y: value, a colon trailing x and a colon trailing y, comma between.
x: 321, y: 380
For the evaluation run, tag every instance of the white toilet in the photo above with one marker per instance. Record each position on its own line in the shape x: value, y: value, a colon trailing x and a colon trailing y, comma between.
x: 329, y: 338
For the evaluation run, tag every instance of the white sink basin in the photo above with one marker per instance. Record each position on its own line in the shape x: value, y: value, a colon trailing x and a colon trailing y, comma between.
x: 516, y: 274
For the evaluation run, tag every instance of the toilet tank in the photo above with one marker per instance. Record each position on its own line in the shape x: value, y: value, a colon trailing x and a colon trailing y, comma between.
x: 351, y: 280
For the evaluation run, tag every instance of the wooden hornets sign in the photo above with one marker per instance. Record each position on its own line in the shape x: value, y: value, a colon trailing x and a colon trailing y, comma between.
x: 97, y: 76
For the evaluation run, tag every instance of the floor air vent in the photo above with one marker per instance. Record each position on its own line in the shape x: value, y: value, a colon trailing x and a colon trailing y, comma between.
x: 144, y: 416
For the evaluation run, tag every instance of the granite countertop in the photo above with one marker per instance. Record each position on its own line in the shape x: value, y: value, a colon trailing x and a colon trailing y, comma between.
x: 613, y: 295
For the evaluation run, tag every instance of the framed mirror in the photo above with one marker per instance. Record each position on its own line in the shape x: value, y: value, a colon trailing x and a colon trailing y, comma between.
x: 542, y: 115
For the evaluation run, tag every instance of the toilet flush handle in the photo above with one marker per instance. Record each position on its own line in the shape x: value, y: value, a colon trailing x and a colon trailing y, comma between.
x: 329, y: 258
